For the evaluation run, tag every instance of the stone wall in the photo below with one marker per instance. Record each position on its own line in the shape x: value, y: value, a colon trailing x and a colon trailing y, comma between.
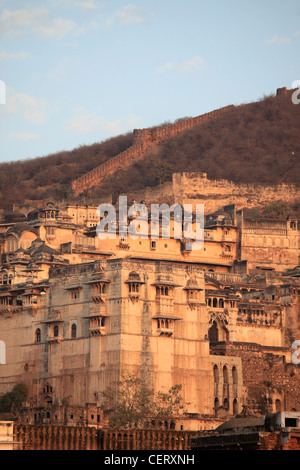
x: 268, y: 376
x: 144, y: 139
x: 196, y: 188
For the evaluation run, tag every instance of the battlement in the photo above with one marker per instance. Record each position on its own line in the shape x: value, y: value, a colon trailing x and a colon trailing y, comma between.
x: 284, y: 91
x: 144, y: 139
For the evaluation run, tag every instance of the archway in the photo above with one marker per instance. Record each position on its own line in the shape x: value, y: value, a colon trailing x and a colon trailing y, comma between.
x: 213, y: 333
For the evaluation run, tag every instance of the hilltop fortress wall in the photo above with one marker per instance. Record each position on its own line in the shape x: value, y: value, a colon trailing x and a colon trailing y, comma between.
x: 144, y: 139
x: 196, y: 188
x: 193, y: 188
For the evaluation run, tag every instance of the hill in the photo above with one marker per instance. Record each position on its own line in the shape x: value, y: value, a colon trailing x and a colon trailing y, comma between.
x: 255, y: 142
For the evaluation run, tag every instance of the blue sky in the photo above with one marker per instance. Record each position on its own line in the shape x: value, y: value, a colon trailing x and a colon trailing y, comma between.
x: 79, y: 72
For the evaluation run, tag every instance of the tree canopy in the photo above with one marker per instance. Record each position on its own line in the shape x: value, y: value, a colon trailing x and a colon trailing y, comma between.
x: 131, y: 403
x: 11, y: 402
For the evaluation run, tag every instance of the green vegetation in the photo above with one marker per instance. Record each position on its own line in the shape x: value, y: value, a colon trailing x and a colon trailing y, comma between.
x: 11, y: 402
x: 276, y: 210
x: 131, y: 403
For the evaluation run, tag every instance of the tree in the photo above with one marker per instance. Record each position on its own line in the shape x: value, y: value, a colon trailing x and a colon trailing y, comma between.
x: 131, y: 403
x: 162, y: 171
x: 170, y: 403
x: 12, y: 401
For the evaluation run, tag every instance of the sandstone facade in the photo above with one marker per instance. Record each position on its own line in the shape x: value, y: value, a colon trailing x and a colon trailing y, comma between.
x: 76, y: 311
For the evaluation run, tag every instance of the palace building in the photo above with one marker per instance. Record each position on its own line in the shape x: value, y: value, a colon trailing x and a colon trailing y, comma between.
x: 77, y: 311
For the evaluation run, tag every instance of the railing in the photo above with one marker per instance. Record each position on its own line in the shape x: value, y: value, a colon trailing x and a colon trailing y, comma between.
x: 49, y: 437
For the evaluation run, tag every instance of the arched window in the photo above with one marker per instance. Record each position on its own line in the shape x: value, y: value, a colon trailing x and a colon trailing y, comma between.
x: 2, y: 353
x: 216, y: 380
x: 215, y: 302
x: 235, y: 407
x: 226, y: 404
x: 221, y: 303
x: 74, y: 330
x: 225, y: 375
x: 216, y: 374
x: 213, y: 333
x: 225, y: 384
x: 38, y: 335
x: 278, y: 405
x: 234, y: 375
x: 55, y: 330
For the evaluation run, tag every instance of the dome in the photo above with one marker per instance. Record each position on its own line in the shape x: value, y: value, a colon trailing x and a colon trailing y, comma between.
x: 33, y: 214
x: 14, y: 216
x: 19, y: 228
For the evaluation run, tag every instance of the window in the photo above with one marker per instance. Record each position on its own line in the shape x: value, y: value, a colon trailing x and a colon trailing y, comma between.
x: 163, y: 290
x: 213, y: 333
x: 74, y: 330
x: 235, y: 407
x: 133, y: 287
x: 75, y: 294
x: 290, y: 422
x: 278, y: 405
x: 99, y: 289
x: 153, y: 245
x: 38, y: 335
x: 234, y: 375
x: 55, y: 330
x: 216, y: 374
x: 225, y: 375
x: 50, y: 231
x: 12, y: 244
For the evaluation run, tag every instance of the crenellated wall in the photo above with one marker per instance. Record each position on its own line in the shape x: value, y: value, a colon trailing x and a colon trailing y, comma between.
x: 143, y: 140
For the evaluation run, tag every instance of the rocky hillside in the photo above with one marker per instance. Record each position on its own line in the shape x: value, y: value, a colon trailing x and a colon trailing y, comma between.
x: 256, y: 142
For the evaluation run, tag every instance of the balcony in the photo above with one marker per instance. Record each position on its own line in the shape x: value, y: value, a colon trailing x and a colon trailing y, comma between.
x: 165, y: 331
x: 165, y: 324
x: 97, y: 325
x: 54, y: 339
x: 9, y: 309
